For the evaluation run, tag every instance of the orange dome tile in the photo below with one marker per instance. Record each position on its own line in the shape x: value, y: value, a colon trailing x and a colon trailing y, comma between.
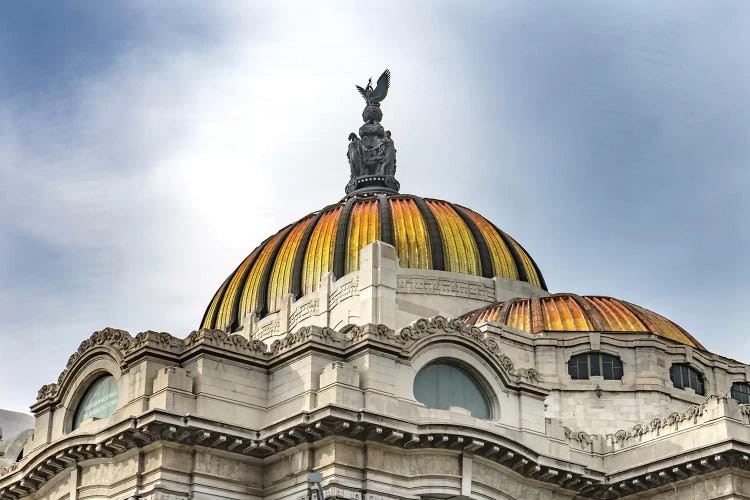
x: 567, y: 312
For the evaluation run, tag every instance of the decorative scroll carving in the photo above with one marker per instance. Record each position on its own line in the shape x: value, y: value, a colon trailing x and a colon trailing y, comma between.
x: 219, y: 338
x: 583, y: 439
x: 692, y: 413
x: 425, y: 327
x: 370, y: 330
x: 302, y: 335
x: 120, y: 340
x: 528, y: 373
x: 161, y: 340
x: 47, y: 391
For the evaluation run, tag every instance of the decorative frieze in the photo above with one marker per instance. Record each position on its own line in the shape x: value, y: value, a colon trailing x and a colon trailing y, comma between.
x: 219, y: 338
x: 621, y: 436
x: 268, y: 329
x: 304, y: 334
x: 453, y: 287
x: 581, y: 438
x: 303, y: 311
x: 674, y: 418
x: 343, y: 291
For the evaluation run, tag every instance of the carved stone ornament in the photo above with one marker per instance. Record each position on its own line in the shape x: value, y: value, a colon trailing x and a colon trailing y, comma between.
x: 304, y: 334
x: 219, y: 338
x: 372, y: 154
x: 120, y: 340
x: 583, y: 439
x: 381, y: 332
x: 692, y: 413
x: 425, y: 327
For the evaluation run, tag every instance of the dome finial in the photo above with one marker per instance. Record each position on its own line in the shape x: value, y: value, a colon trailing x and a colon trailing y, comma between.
x: 372, y: 157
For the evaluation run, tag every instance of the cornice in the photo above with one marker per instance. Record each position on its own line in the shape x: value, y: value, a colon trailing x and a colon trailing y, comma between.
x: 126, y: 349
x: 28, y: 476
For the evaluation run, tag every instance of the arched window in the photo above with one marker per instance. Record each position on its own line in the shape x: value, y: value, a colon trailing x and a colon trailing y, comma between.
x: 595, y: 364
x: 442, y: 385
x: 99, y: 400
x: 741, y: 392
x: 684, y: 376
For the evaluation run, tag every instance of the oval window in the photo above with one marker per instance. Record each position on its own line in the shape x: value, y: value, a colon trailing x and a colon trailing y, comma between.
x: 595, y: 364
x: 99, y: 400
x: 684, y: 376
x: 442, y: 385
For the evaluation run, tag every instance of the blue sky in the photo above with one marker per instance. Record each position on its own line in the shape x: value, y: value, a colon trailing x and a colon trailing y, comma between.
x: 146, y: 148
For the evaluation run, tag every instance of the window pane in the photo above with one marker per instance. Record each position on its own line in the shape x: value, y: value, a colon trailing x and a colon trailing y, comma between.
x: 617, y: 370
x: 741, y: 392
x: 572, y: 368
x: 442, y: 385
x: 596, y: 370
x: 595, y: 364
x: 700, y: 388
x: 100, y: 400
x: 684, y: 376
x: 583, y: 366
x: 694, y: 380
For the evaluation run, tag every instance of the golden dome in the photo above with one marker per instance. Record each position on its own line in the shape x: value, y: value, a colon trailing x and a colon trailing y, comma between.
x: 427, y: 234
x: 567, y: 312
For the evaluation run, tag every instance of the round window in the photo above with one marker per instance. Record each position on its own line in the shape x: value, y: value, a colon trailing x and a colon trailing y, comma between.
x: 442, y: 385
x: 99, y: 400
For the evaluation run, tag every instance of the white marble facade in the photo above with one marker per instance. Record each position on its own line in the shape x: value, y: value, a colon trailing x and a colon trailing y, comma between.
x: 326, y: 385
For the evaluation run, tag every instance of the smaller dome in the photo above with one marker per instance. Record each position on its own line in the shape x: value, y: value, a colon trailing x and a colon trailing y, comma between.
x: 567, y: 312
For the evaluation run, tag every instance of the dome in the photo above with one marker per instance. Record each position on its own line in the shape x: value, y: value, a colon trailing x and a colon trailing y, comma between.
x: 426, y: 233
x: 567, y: 312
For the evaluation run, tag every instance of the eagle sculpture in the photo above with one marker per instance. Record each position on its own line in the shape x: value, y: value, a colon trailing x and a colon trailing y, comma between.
x: 376, y: 95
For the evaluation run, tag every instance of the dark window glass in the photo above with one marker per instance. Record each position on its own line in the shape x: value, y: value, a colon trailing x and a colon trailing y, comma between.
x: 684, y: 376
x: 597, y: 364
x: 441, y: 385
x: 99, y: 400
x: 741, y: 392
x: 583, y: 367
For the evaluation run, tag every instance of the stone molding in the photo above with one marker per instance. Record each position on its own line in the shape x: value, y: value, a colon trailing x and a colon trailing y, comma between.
x: 425, y: 327
x: 111, y: 339
x: 122, y: 343
x: 37, y: 470
x: 298, y: 430
x: 422, y: 328
x: 659, y: 424
x: 119, y: 340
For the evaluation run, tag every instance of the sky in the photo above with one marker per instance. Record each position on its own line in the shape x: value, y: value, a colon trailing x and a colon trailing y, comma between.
x: 147, y: 147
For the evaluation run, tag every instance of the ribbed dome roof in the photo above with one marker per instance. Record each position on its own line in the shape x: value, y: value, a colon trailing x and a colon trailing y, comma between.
x: 427, y: 234
x: 567, y: 312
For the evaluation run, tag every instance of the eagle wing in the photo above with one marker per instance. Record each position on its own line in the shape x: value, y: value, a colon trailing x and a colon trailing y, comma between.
x: 362, y: 91
x: 381, y: 90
